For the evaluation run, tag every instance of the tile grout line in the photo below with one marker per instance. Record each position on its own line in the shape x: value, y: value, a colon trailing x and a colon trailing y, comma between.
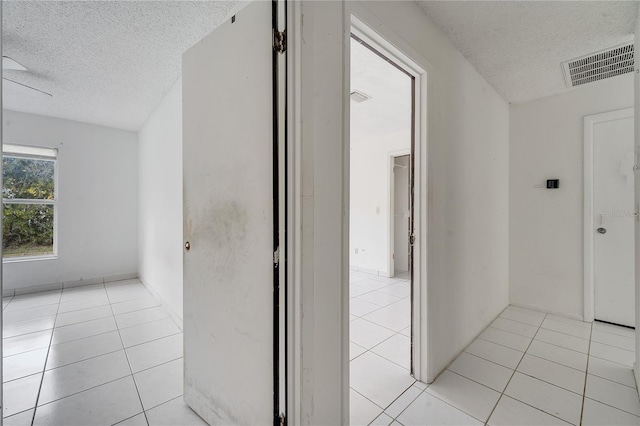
x: 44, y: 367
x: 586, y: 376
x: 553, y: 344
x: 84, y: 390
x: 514, y: 373
x: 375, y: 353
x: 96, y: 356
x: 128, y: 362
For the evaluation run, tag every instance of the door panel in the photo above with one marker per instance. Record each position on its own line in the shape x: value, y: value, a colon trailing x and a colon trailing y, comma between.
x: 228, y: 221
x: 613, y: 201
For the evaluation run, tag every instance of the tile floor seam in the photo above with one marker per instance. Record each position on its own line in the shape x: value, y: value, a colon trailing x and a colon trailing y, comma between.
x: 95, y: 319
x: 535, y: 408
x: 478, y: 356
x: 566, y: 334
x: 547, y: 382
x: 610, y: 346
x: 555, y: 362
x: 398, y: 397
x: 129, y: 364
x: 414, y: 399
x: 379, y: 307
x: 608, y: 360
x: 519, y: 322
x: 611, y: 406
x: 31, y: 307
x: 510, y: 332
x: 17, y: 414
x: 563, y: 347
x: 370, y: 349
x: 83, y: 390
x: 607, y: 379
x: 614, y: 334
x: 128, y: 418
x: 142, y: 323
x: 84, y: 359
x: 382, y: 356
x: 75, y: 340
x: 375, y: 323
x: 450, y: 404
x: 360, y: 393
x: 158, y: 365
x: 486, y: 422
x: 491, y: 341
x: 153, y: 340
x: 44, y: 367
x: 613, y: 346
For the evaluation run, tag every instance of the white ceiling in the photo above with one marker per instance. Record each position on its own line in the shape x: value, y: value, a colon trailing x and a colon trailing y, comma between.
x: 517, y: 46
x: 111, y: 62
x: 105, y: 62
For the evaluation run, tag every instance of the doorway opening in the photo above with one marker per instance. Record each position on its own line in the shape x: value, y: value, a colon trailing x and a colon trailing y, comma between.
x: 381, y: 229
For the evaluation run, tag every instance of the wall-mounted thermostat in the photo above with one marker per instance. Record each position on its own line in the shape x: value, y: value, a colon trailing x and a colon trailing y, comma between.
x: 553, y: 183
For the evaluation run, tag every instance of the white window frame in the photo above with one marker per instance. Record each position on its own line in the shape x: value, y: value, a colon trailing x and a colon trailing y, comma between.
x: 35, y: 153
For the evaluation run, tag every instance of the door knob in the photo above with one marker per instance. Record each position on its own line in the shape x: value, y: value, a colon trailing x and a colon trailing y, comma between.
x: 602, y: 230
x: 187, y: 246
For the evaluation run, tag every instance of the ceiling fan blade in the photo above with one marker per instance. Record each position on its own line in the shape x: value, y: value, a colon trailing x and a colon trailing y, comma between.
x: 24, y: 88
x: 11, y: 64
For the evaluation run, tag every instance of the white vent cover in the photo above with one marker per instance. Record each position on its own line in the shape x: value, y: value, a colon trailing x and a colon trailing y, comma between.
x: 358, y: 96
x: 600, y: 65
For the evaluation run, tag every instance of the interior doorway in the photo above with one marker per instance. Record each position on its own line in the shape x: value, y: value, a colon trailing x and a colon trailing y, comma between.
x: 381, y: 230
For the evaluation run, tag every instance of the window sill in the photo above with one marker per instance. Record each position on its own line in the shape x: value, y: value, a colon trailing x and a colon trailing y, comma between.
x: 28, y: 258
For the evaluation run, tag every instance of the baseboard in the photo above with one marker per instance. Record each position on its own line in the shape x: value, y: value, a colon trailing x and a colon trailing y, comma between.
x: 67, y: 284
x: 370, y: 271
x: 172, y: 313
x: 121, y: 277
x: 547, y: 311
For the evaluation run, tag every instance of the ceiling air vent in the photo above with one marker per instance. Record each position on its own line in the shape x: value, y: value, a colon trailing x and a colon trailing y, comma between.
x: 598, y: 66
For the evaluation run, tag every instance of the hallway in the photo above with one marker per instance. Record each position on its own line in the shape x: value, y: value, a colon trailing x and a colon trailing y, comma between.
x: 528, y: 368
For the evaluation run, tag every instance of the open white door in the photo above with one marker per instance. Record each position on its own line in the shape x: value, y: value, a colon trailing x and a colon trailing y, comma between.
x: 230, y: 301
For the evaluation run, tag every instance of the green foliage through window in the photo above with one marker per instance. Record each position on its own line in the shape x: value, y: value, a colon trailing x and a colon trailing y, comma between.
x: 28, y: 226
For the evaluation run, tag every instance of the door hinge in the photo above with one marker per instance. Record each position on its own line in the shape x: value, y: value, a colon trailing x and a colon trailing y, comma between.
x: 279, y: 40
x: 283, y: 420
x: 412, y: 239
x: 276, y: 257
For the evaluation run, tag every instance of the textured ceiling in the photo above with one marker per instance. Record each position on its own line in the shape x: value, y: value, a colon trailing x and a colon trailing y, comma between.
x: 105, y: 62
x: 517, y: 46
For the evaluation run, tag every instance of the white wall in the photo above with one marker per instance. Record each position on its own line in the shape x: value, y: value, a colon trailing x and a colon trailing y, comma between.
x: 468, y: 156
x: 160, y: 200
x: 97, y: 200
x: 379, y: 126
x: 467, y: 216
x: 546, y: 226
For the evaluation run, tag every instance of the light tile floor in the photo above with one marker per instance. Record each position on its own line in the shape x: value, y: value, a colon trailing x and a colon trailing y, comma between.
x: 526, y: 368
x: 110, y: 354
x: 94, y: 355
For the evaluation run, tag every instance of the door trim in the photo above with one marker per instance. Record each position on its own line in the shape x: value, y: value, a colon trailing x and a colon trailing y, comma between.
x: 373, y: 32
x: 588, y: 231
x: 391, y: 248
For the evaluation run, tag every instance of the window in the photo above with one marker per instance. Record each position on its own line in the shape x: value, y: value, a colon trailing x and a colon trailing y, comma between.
x: 29, y: 202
